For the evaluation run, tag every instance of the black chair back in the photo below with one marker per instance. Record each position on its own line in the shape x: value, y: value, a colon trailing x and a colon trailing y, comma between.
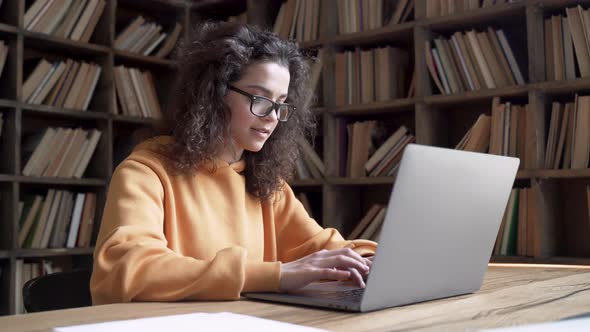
x: 61, y: 290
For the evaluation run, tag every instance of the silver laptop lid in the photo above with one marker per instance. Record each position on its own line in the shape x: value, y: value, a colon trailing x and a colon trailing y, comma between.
x: 441, y: 224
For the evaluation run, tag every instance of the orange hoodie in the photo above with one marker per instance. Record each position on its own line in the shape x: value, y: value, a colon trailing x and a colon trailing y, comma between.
x: 166, y: 237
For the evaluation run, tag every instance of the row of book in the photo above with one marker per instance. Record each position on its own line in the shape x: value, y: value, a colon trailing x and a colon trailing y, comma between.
x: 60, y: 152
x: 568, y: 140
x: 298, y: 19
x: 3, y: 55
x: 369, y: 227
x: 529, y: 226
x: 559, y: 49
x: 567, y: 43
x: 59, y: 219
x: 146, y: 38
x: 310, y: 165
x: 66, y: 84
x: 472, y: 61
x: 75, y: 20
x: 364, y: 76
x: 136, y: 93
x: 503, y: 133
x: 25, y: 271
x: 372, y: 152
x: 364, y: 15
x: 436, y: 8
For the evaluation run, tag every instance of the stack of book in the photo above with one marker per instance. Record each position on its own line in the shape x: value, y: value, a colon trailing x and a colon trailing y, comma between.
x: 508, y: 235
x: 435, y: 8
x: 136, y: 93
x: 503, y: 133
x: 369, y: 227
x: 75, y: 20
x: 364, y: 76
x: 568, y: 140
x: 472, y: 61
x: 65, y: 84
x: 60, y: 152
x: 60, y: 219
x: 530, y: 223
x: 144, y: 38
x: 362, y: 15
x: 298, y: 19
x: 363, y: 156
x: 566, y: 43
x: 310, y: 165
x: 385, y: 160
x: 477, y: 138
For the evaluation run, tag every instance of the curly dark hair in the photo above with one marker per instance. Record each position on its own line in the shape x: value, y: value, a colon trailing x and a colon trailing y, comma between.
x: 215, y: 55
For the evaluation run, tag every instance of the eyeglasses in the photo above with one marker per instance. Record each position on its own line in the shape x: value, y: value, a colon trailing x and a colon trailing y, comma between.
x: 262, y: 106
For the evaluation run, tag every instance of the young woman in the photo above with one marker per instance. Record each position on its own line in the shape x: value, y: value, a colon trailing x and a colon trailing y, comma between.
x: 203, y: 211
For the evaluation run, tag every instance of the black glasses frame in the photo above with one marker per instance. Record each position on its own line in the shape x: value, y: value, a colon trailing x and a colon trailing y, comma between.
x: 275, y: 106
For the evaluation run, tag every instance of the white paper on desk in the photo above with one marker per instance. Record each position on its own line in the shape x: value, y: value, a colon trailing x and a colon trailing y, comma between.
x: 222, y: 321
x: 569, y: 325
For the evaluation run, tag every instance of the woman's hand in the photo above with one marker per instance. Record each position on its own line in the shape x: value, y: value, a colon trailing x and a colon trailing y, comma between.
x: 339, y: 264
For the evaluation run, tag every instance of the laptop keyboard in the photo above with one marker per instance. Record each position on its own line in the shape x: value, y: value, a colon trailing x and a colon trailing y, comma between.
x: 352, y: 295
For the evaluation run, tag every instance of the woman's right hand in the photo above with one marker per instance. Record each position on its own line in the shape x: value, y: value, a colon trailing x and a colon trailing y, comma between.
x: 338, y: 264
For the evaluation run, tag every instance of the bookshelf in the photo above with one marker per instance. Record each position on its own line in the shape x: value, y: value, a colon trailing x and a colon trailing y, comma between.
x: 441, y: 120
x: 21, y: 119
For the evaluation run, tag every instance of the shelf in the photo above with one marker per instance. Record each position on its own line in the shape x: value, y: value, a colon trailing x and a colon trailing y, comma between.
x: 31, y: 253
x: 385, y: 35
x: 157, y: 5
x: 365, y: 181
x: 47, y: 110
x: 496, y: 13
x: 143, y: 59
x: 312, y: 44
x: 306, y: 183
x: 133, y: 120
x: 8, y: 103
x: 540, y: 260
x: 8, y: 28
x: 4, y: 254
x: 61, y: 44
x: 93, y: 182
x: 554, y: 173
x: 510, y: 91
x: 207, y: 5
x: 381, y: 107
x: 556, y: 4
x: 568, y: 86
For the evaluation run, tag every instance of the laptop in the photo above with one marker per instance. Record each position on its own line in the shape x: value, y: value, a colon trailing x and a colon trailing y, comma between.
x: 442, y: 219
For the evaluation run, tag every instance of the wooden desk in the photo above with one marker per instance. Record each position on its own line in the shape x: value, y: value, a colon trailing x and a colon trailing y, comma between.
x: 509, y: 296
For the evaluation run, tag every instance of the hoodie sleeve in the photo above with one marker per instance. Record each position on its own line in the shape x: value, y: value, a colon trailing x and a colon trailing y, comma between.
x: 133, y: 263
x: 299, y: 235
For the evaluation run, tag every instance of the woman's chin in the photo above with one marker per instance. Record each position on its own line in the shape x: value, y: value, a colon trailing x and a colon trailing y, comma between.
x: 254, y: 147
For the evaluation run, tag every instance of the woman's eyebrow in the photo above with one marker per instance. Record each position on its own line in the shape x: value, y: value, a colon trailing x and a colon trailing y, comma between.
x: 265, y: 90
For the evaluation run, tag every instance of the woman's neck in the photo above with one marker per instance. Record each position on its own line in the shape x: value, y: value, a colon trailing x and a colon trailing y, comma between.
x: 231, y: 153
